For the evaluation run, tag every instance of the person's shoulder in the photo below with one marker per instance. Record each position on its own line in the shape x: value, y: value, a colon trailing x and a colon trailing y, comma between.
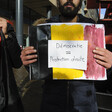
x: 39, y: 21
x: 85, y: 19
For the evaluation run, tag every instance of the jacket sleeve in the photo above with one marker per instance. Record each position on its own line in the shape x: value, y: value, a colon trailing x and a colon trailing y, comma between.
x: 14, y: 50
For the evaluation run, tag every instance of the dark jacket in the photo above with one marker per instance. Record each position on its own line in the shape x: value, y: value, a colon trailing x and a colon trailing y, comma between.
x: 13, y: 102
x: 69, y: 96
x: 13, y: 47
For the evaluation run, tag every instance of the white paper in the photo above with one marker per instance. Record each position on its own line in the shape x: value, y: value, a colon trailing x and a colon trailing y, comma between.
x: 67, y: 54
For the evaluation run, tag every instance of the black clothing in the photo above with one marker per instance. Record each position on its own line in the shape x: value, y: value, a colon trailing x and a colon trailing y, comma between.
x: 105, y: 86
x: 81, y: 19
x: 13, y: 51
x: 69, y: 96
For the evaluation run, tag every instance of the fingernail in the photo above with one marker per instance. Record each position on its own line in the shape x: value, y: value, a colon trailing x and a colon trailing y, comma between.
x: 94, y: 50
x: 97, y: 48
x: 35, y: 50
x: 94, y: 55
x: 35, y: 59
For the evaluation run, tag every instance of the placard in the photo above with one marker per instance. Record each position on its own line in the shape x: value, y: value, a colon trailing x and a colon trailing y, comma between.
x: 49, y: 38
x: 67, y: 54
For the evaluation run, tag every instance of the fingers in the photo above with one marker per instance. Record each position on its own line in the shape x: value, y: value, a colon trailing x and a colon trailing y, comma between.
x: 104, y: 64
x: 103, y: 57
x: 28, y: 55
x: 101, y: 51
x: 29, y: 61
x: 28, y: 51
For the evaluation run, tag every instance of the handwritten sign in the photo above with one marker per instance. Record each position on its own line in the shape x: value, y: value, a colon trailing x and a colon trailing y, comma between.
x: 67, y: 54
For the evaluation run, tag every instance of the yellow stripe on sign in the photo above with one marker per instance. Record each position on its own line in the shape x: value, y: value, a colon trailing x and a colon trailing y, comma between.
x: 67, y: 32
x: 64, y: 73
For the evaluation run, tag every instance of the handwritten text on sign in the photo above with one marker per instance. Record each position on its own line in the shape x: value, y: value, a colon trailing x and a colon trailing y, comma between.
x: 67, y: 54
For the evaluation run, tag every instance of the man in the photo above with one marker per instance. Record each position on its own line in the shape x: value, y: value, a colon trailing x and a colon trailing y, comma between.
x: 76, y: 95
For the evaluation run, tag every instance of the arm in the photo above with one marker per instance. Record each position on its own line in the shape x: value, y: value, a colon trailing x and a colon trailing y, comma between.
x: 13, y: 48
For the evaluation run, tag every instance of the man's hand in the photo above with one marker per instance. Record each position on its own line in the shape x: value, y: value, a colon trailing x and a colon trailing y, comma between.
x: 103, y: 57
x: 3, y: 25
x: 28, y: 56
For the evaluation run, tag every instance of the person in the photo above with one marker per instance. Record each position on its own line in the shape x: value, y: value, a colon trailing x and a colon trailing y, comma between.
x: 69, y: 95
x: 11, y: 41
x: 14, y: 60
